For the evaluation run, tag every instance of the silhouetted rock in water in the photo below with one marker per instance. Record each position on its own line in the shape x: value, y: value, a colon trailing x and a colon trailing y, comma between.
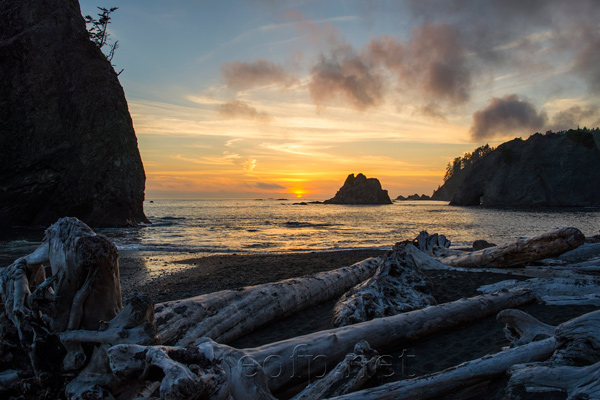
x: 67, y: 144
x: 360, y: 190
x: 400, y: 198
x: 551, y: 170
x: 417, y: 197
x: 482, y: 244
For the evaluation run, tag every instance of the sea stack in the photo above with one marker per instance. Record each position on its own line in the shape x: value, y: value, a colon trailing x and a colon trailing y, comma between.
x: 360, y: 190
x: 67, y: 144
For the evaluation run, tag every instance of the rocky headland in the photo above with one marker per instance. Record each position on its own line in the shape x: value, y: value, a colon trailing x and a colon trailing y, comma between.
x: 360, y: 190
x: 546, y: 170
x: 67, y: 143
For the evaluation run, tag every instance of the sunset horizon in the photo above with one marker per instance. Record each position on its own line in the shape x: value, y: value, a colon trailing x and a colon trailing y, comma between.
x: 285, y: 99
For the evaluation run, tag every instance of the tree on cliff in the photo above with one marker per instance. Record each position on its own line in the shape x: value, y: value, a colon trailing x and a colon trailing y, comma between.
x: 98, y: 34
x: 461, y: 163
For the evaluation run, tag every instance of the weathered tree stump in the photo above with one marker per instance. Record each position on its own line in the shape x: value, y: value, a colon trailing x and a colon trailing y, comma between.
x: 397, y: 286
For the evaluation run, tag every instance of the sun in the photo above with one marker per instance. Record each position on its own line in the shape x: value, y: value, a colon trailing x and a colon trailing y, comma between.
x: 298, y: 193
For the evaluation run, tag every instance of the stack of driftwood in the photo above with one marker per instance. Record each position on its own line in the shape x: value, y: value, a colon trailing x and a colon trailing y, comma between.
x: 66, y: 332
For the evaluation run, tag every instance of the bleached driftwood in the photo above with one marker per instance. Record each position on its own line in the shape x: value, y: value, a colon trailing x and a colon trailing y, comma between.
x: 397, y: 286
x: 82, y: 290
x: 71, y: 304
x: 545, y: 245
x: 348, y: 376
x: 586, y: 251
x: 212, y: 370
x: 573, y: 369
x: 458, y: 377
x: 281, y: 360
x: 258, y: 372
x: 555, y: 291
x: 134, y: 324
x: 521, y: 328
x: 431, y: 244
x: 229, y: 314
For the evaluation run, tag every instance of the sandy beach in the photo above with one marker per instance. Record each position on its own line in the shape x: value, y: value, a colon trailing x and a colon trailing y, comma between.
x: 194, y: 276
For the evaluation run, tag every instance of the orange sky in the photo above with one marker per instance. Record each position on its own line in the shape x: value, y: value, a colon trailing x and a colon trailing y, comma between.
x: 263, y: 99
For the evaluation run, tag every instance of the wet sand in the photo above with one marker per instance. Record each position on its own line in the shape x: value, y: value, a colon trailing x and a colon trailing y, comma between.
x: 195, y: 276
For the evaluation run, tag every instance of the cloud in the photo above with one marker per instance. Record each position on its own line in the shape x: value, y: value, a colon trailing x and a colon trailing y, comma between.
x: 588, y: 60
x: 240, y: 109
x: 348, y: 78
x: 433, y: 62
x: 505, y: 117
x: 574, y: 116
x: 246, y: 75
x: 269, y: 186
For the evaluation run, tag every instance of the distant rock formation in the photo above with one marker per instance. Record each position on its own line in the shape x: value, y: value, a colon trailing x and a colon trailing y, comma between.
x: 417, y: 197
x: 551, y: 170
x: 400, y: 198
x: 67, y: 144
x: 360, y: 190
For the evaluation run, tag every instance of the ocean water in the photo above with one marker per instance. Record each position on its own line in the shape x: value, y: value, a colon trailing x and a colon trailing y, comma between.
x: 274, y: 226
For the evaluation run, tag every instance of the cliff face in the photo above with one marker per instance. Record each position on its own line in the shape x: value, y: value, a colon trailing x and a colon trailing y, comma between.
x: 552, y: 170
x: 67, y: 144
x: 360, y: 190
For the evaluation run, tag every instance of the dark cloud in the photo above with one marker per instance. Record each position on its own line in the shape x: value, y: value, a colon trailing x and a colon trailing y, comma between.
x: 241, y: 109
x: 575, y: 116
x: 243, y: 75
x: 349, y: 79
x: 588, y: 61
x: 269, y: 186
x: 505, y: 117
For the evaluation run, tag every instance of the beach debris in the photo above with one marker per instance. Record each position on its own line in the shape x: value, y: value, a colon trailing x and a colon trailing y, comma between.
x: 67, y: 307
x: 214, y: 369
x: 521, y: 328
x: 558, y: 291
x: 573, y: 369
x: 397, y: 286
x: 546, y: 245
x: 431, y: 244
x: 227, y: 315
x: 453, y: 379
x: 543, y: 360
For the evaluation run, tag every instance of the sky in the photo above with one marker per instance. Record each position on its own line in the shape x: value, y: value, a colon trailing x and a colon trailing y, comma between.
x: 285, y: 99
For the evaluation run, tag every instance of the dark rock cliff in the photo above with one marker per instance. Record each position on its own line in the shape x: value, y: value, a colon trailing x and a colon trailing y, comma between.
x: 360, y: 190
x: 67, y: 144
x: 552, y: 170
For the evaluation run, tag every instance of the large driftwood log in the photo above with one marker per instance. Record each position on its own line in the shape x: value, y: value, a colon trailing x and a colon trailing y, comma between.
x: 555, y: 291
x: 229, y: 314
x: 458, y: 377
x: 289, y: 360
x: 397, y: 286
x: 256, y: 373
x: 546, y: 245
x: 573, y: 369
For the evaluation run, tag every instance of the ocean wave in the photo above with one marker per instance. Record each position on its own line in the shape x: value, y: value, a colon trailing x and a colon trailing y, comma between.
x: 298, y: 224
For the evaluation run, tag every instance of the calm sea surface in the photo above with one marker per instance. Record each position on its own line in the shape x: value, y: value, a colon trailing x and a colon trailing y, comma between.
x: 269, y: 225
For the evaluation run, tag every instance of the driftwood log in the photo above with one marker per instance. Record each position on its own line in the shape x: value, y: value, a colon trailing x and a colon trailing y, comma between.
x: 215, y: 369
x: 452, y: 379
x: 398, y: 286
x: 224, y: 316
x: 555, y: 291
x: 573, y: 369
x: 520, y: 252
